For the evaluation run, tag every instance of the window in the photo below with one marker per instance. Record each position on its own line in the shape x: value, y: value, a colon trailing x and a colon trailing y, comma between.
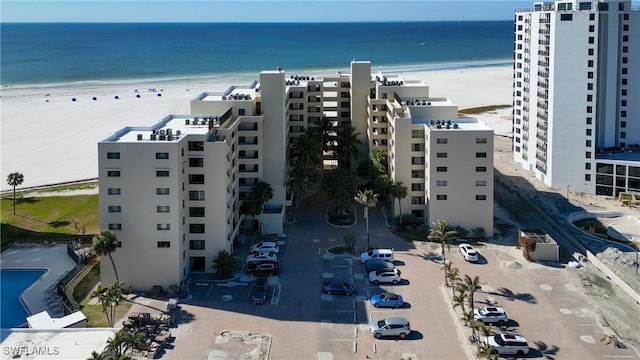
x: 566, y: 17
x: 590, y: 74
x: 441, y: 155
x: 115, y: 208
x: 163, y: 226
x: 196, y: 228
x: 620, y: 6
x: 417, y: 187
x: 196, y: 195
x: 481, y: 197
x: 592, y: 17
x: 623, y: 113
x: 162, y: 191
x: 441, y: 197
x: 481, y: 154
x: 417, y: 147
x: 587, y: 143
x: 589, y: 120
x: 162, y: 173
x: 589, y: 86
x: 196, y: 211
x: 589, y: 63
x: 623, y: 124
x: 162, y: 208
x: 587, y: 177
x: 587, y: 166
x: 416, y: 174
x: 624, y: 71
x: 589, y: 97
x: 113, y: 173
x: 623, y: 134
x: 417, y: 134
x: 441, y: 140
x: 481, y: 140
x: 591, y: 39
x: 162, y: 155
x: 589, y: 109
x: 113, y: 155
x: 164, y: 244
x: 587, y: 154
x: 196, y: 145
x: 196, y: 162
x: 115, y: 226
x: 113, y: 191
x: 481, y: 169
x: 592, y: 28
x: 196, y: 244
x: 417, y: 160
x: 242, y: 112
x: 441, y: 182
x: 417, y: 200
x: 196, y: 179
x: 588, y: 132
x: 481, y: 183
x: 590, y: 52
x: 441, y: 169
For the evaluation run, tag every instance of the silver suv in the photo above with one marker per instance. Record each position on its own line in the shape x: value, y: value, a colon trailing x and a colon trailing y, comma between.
x: 491, y: 314
x: 395, y: 326
x: 510, y: 344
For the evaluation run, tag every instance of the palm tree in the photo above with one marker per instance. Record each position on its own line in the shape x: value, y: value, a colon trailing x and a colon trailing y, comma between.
x: 298, y: 180
x: 348, y: 144
x: 479, y: 234
x: 368, y: 200
x: 117, y: 346
x: 453, y: 276
x: 109, y: 298
x: 399, y: 191
x: 440, y: 232
x: 446, y: 267
x: 458, y: 299
x: 104, y: 244
x: 470, y: 286
x: 326, y: 128
x: 253, y: 205
x: 15, y: 179
x: 133, y: 340
x: 307, y: 149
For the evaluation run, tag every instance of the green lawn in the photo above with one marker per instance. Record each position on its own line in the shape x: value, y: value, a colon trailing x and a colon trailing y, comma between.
x: 82, y: 294
x: 48, y: 218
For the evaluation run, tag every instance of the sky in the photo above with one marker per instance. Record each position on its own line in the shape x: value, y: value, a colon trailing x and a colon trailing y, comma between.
x: 256, y: 10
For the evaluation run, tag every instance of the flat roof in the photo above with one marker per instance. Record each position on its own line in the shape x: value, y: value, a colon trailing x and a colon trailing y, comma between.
x: 42, y: 320
x: 235, y: 93
x: 170, y: 129
x: 459, y: 124
x: 54, y: 344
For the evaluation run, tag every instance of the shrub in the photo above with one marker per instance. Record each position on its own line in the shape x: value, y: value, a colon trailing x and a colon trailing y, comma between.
x: 223, y: 264
x: 528, y: 246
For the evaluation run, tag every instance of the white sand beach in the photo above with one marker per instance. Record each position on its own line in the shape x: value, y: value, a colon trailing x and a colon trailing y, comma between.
x: 50, y: 138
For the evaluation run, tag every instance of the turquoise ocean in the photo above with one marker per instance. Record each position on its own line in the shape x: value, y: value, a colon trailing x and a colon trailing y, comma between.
x: 68, y: 53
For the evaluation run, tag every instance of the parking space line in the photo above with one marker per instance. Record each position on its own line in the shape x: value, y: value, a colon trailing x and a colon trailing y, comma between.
x: 210, y: 288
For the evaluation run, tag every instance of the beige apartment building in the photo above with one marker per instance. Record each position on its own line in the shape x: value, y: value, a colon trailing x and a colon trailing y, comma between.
x: 171, y: 192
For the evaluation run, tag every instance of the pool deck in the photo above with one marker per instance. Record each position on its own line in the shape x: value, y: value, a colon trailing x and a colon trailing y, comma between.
x: 51, y: 258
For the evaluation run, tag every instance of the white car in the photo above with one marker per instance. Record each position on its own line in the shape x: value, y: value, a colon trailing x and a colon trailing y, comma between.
x: 265, y: 246
x: 468, y: 252
x: 258, y: 257
x: 491, y: 314
x: 385, y: 276
x: 381, y: 254
x: 508, y: 344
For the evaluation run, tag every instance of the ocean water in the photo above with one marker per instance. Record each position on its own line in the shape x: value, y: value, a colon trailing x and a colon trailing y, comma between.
x: 76, y: 53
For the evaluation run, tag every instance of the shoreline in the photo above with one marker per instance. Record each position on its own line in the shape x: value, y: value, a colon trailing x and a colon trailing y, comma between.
x: 50, y: 138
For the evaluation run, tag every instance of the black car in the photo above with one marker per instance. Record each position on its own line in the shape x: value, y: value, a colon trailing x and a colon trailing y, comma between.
x: 377, y: 264
x: 338, y: 287
x: 263, y: 269
x: 259, y: 291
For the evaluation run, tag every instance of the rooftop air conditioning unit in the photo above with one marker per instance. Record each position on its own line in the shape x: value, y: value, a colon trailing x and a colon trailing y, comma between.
x: 178, y: 132
x: 162, y: 132
x: 162, y: 137
x: 169, y: 137
x: 139, y: 137
x: 186, y: 121
x: 169, y: 131
x: 153, y: 136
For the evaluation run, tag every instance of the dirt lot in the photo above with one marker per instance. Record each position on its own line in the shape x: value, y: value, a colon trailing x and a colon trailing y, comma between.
x: 617, y: 311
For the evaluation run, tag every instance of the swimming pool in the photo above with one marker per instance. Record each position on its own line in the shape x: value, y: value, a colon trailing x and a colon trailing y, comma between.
x: 12, y: 284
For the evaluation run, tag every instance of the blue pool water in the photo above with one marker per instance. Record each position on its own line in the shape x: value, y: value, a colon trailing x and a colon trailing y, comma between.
x: 12, y: 284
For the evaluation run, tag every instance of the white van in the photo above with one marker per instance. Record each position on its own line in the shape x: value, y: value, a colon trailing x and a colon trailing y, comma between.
x: 381, y: 254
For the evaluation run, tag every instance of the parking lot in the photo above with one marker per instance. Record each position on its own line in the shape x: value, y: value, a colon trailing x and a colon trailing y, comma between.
x: 299, y: 322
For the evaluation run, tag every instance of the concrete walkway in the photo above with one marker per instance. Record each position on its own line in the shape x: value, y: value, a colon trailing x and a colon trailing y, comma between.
x: 54, y: 259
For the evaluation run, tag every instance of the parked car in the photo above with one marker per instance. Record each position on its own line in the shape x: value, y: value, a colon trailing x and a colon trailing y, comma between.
x: 468, y: 252
x: 394, y: 326
x: 263, y: 269
x: 387, y: 300
x: 377, y: 264
x: 265, y: 246
x: 260, y: 257
x: 508, y: 344
x: 338, y: 287
x: 382, y: 254
x: 259, y: 291
x: 491, y: 314
x: 385, y: 276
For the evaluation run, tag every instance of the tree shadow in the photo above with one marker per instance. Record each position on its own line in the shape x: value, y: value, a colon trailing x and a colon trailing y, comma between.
x: 182, y: 316
x: 542, y: 350
x: 27, y: 200
x: 511, y: 296
x: 58, y: 223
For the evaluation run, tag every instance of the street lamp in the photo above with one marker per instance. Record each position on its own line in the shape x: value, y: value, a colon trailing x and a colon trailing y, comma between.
x: 568, y: 187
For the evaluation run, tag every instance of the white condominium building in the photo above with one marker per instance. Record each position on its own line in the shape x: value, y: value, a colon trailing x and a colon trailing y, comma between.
x: 171, y: 192
x: 576, y: 88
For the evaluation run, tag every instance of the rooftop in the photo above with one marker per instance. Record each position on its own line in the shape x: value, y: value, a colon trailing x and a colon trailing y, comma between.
x: 465, y: 124
x: 54, y: 344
